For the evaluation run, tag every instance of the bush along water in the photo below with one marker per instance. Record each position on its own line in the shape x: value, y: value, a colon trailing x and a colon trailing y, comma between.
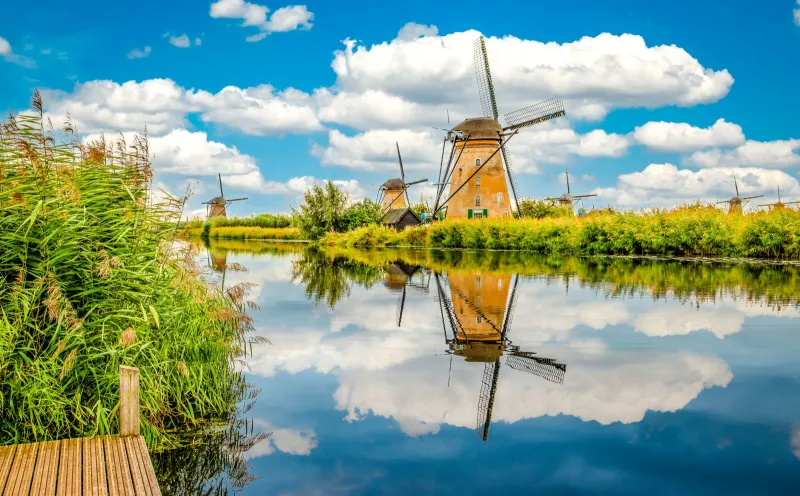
x: 691, y: 230
x: 90, y: 280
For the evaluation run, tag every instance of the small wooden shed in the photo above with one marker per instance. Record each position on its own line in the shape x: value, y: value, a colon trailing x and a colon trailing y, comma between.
x: 400, y: 218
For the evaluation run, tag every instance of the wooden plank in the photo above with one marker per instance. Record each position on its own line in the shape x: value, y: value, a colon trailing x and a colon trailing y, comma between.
x: 6, y: 459
x: 137, y: 471
x: 149, y: 473
x: 128, y: 401
x: 46, y: 473
x: 119, y: 474
x: 94, y: 468
x: 69, y: 473
x: 22, y: 471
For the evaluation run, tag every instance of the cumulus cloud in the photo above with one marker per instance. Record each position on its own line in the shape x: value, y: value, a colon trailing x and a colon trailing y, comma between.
x: 289, y: 441
x: 682, y: 137
x: 284, y: 19
x: 180, y: 41
x: 137, y: 53
x: 768, y: 154
x: 797, y: 14
x: 5, y: 47
x: 412, y: 31
x: 162, y: 105
x: 594, y: 74
x: 667, y: 185
x: 9, y: 55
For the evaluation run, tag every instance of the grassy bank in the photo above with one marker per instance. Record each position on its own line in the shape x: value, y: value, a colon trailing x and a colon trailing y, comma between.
x: 269, y: 221
x: 245, y: 233
x: 90, y: 279
x: 685, y: 231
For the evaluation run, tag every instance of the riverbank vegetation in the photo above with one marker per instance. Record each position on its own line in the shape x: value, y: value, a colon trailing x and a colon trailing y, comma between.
x: 693, y: 230
x: 244, y: 233
x: 90, y: 279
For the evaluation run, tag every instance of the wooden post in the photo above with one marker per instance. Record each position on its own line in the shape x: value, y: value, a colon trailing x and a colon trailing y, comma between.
x: 128, y: 401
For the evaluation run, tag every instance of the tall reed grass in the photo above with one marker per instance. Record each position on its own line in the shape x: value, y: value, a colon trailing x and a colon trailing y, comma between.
x: 693, y: 230
x: 90, y: 279
x: 267, y: 221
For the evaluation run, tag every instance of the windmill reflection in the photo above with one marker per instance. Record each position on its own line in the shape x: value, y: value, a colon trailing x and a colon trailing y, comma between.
x: 399, y: 276
x: 476, y: 318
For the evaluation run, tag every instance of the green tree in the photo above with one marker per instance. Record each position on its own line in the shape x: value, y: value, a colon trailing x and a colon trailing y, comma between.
x: 361, y: 214
x: 322, y: 211
x: 537, y: 209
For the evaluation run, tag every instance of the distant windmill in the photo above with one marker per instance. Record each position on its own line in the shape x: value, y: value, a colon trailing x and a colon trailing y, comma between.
x: 399, y: 274
x: 778, y: 205
x: 218, y: 206
x: 479, y: 333
x: 394, y: 192
x: 567, y: 200
x: 736, y: 203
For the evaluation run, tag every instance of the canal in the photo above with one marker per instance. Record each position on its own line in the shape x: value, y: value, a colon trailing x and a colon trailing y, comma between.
x: 414, y: 372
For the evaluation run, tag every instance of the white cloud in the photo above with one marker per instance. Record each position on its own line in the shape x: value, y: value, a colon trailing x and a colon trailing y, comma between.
x: 594, y: 74
x: 181, y: 41
x: 139, y: 54
x: 289, y: 441
x: 5, y: 47
x: 412, y: 31
x: 682, y: 137
x: 259, y: 110
x: 284, y: 19
x: 797, y: 14
x: 198, y: 42
x: 666, y: 185
x: 768, y: 154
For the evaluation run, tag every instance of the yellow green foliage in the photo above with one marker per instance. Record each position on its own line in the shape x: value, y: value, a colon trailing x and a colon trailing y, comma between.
x: 281, y: 233
x: 691, y: 230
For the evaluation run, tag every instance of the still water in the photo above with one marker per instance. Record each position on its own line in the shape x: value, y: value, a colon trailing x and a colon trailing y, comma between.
x: 412, y: 372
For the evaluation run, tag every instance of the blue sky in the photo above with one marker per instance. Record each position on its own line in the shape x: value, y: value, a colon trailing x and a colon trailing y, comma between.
x: 643, y: 110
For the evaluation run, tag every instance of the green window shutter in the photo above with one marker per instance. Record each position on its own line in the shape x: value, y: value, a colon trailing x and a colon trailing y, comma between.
x: 485, y: 213
x: 469, y: 214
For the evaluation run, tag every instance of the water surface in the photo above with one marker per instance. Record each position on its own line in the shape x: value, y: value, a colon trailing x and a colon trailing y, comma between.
x: 414, y: 372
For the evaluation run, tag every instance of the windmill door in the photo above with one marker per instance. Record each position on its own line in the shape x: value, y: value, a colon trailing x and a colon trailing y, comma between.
x: 477, y: 213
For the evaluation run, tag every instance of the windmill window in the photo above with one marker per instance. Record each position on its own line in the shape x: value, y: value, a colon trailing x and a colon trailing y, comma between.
x: 478, y: 300
x: 478, y: 319
x: 499, y: 198
x: 499, y: 284
x: 478, y: 201
x: 477, y: 161
x: 477, y: 180
x: 478, y: 281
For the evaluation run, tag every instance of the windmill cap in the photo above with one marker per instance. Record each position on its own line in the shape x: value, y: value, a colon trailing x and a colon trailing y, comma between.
x: 217, y: 199
x: 395, y: 183
x: 480, y: 128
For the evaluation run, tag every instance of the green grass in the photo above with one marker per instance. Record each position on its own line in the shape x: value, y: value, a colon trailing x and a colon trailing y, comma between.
x: 692, y: 230
x: 90, y: 279
x: 270, y: 221
x: 245, y: 233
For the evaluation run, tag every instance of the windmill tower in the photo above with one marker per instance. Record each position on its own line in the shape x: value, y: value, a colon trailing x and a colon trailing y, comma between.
x: 778, y: 205
x: 736, y: 203
x: 394, y: 192
x: 218, y: 206
x: 567, y: 199
x: 479, y: 312
x: 399, y: 276
x: 479, y: 176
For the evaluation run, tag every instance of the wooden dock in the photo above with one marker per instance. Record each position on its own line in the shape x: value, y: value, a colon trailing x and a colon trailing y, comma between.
x: 99, y: 466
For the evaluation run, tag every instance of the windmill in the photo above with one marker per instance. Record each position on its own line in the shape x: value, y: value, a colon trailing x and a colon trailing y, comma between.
x: 394, y: 192
x: 486, y: 301
x: 567, y: 199
x: 735, y: 204
x: 218, y: 206
x: 778, y: 205
x: 400, y: 276
x: 475, y: 146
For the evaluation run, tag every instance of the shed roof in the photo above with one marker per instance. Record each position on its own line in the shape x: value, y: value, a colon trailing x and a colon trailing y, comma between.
x: 394, y: 215
x: 480, y: 128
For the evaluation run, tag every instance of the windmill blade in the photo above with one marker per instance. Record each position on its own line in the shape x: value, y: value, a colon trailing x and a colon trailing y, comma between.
x: 400, y: 305
x: 546, y: 368
x: 412, y: 183
x: 235, y: 199
x: 736, y: 185
x: 535, y: 114
x: 402, y: 173
x: 791, y: 203
x: 723, y: 201
x: 511, y: 177
x: 751, y: 197
x: 491, y: 371
x: 484, y: 78
x: 584, y: 196
x: 567, y: 174
x: 512, y: 304
x: 220, y: 186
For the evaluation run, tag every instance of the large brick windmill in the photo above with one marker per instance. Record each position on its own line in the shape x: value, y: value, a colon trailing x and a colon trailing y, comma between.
x: 479, y: 179
x: 736, y: 203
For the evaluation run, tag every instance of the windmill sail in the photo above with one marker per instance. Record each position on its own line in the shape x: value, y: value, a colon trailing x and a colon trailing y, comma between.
x: 484, y: 77
x: 535, y: 114
x: 491, y: 372
x: 546, y: 368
